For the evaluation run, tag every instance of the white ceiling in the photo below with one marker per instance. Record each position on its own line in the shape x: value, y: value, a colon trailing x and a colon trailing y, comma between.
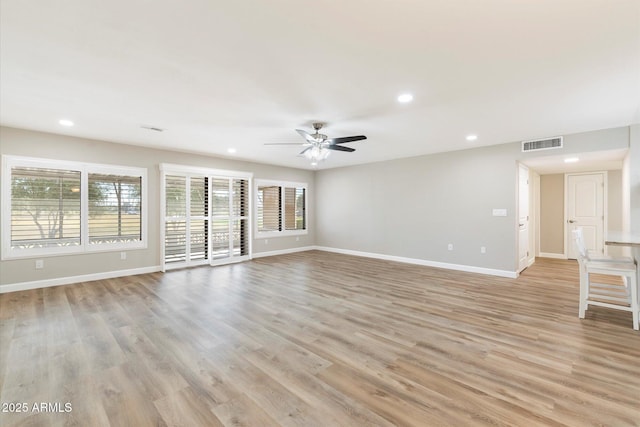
x: 219, y: 74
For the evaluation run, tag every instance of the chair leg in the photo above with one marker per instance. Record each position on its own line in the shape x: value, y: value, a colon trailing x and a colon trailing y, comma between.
x: 635, y: 310
x: 582, y: 306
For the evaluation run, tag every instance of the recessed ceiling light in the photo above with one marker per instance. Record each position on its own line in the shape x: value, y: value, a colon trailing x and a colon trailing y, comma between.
x: 571, y: 160
x: 314, y: 163
x: 231, y: 150
x: 65, y: 122
x: 405, y: 97
x: 472, y: 137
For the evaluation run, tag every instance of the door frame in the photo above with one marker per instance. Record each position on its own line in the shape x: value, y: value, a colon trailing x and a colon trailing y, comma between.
x: 605, y: 206
x: 531, y: 246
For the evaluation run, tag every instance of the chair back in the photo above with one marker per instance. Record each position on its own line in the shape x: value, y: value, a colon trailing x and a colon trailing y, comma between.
x: 583, y: 254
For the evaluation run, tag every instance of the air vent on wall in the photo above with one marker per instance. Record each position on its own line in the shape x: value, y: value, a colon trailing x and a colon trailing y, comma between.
x: 542, y: 144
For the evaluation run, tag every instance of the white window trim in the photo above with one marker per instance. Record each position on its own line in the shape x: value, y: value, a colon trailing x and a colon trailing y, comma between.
x: 169, y: 168
x: 9, y: 161
x: 282, y: 185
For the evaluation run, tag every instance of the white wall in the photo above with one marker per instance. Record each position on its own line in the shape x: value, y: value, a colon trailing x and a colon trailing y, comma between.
x: 414, y: 207
x: 44, y: 145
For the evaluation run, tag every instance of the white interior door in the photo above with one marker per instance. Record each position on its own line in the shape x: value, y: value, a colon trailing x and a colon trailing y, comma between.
x: 523, y: 217
x: 585, y: 209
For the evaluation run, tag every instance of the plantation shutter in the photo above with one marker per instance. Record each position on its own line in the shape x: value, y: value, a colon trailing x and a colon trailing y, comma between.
x: 220, y: 215
x: 269, y: 215
x: 45, y: 208
x: 175, y: 233
x: 115, y: 208
x: 198, y: 218
x: 240, y: 217
x: 294, y: 206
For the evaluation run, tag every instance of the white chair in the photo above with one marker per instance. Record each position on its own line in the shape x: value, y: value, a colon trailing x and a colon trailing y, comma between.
x: 619, y: 297
x: 577, y: 234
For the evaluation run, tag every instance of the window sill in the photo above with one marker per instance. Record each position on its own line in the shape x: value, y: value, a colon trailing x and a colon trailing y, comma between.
x: 57, y: 252
x: 287, y: 233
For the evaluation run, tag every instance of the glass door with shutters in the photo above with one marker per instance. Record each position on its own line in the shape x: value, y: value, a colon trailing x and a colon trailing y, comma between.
x: 206, y: 219
x: 229, y: 219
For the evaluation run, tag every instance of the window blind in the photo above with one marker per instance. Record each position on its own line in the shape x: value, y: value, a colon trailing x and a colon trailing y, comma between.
x: 175, y: 233
x: 114, y: 208
x: 45, y: 208
x: 198, y: 221
x: 269, y: 213
x: 240, y: 217
x: 294, y: 208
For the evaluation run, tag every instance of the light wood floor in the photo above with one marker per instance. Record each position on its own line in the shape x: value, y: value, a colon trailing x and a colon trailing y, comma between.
x: 320, y: 339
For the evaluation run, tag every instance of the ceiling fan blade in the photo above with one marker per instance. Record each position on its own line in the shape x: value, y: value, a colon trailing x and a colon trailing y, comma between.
x: 304, y: 151
x: 285, y: 143
x: 346, y: 139
x: 340, y: 148
x: 306, y: 135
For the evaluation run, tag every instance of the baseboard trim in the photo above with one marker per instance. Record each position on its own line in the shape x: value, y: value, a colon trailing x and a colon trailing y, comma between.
x: 36, y: 284
x: 550, y: 255
x: 282, y: 251
x: 426, y: 263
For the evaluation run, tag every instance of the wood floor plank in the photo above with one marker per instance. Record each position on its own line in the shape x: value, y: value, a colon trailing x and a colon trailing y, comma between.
x: 186, y: 408
x: 317, y: 338
x: 241, y: 411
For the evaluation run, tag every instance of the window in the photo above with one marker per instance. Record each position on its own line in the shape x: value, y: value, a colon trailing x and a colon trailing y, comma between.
x: 45, y: 208
x: 294, y: 208
x: 281, y: 208
x: 206, y: 216
x: 269, y: 218
x: 114, y: 209
x: 54, y: 207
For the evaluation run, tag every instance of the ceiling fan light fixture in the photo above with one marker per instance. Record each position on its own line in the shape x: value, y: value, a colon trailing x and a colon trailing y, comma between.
x: 317, y: 153
x: 318, y: 146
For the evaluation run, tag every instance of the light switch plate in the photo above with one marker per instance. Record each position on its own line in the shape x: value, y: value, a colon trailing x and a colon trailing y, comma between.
x: 499, y: 212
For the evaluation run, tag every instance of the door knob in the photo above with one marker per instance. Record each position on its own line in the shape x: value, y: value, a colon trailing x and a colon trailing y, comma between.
x: 572, y: 221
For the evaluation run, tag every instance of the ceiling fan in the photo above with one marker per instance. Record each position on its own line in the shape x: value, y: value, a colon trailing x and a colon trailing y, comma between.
x: 318, y: 146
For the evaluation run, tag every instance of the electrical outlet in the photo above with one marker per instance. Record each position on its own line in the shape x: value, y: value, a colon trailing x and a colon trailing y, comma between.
x: 123, y: 255
x: 39, y: 264
x: 483, y: 250
x: 297, y: 238
x: 266, y: 241
x: 450, y: 246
